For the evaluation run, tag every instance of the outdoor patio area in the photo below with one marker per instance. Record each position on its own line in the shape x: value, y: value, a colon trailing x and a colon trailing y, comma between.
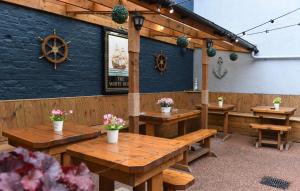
x: 149, y: 95
x: 239, y: 166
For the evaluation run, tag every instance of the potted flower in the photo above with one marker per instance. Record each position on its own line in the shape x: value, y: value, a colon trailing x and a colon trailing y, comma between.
x: 23, y: 170
x: 57, y: 117
x: 277, y: 102
x: 165, y: 104
x: 113, y: 125
x: 220, y: 101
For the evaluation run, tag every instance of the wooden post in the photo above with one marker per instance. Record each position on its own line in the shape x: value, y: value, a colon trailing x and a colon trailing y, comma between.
x: 133, y: 93
x: 204, y: 89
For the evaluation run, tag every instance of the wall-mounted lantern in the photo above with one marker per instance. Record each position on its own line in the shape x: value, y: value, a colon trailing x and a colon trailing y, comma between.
x: 138, y: 20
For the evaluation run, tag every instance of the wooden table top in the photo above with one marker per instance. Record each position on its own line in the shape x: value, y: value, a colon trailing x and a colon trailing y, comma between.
x: 178, y: 115
x: 215, y: 107
x: 271, y: 110
x: 133, y: 153
x: 43, y: 136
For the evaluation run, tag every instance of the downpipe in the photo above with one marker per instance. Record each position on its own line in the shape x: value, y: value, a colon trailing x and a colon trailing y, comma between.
x: 284, y: 57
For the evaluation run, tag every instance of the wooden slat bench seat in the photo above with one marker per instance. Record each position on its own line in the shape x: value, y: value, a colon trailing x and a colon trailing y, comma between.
x: 279, y: 129
x: 201, y: 136
x: 102, y: 129
x: 4, y: 147
x: 175, y: 180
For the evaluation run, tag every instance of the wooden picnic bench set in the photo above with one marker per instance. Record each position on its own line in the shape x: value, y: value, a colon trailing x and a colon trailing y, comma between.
x: 130, y: 161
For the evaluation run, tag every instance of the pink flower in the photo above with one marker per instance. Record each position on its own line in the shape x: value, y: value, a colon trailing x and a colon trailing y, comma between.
x: 71, y: 111
x: 33, y: 180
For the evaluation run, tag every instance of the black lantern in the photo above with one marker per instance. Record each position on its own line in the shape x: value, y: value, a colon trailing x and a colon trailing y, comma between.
x: 209, y: 43
x: 138, y: 20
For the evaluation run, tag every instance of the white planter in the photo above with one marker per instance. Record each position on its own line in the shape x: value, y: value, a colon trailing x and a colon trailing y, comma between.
x: 276, y: 106
x: 58, y: 125
x: 112, y: 136
x: 165, y: 109
x: 220, y: 103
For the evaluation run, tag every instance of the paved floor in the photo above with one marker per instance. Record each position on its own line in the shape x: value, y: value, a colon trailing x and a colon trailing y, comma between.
x: 240, y: 166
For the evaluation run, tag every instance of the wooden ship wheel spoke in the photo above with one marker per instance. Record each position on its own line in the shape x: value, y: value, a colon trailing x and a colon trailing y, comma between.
x: 54, y: 49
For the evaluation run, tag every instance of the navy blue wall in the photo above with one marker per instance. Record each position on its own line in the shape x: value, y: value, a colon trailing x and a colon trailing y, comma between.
x: 23, y: 75
x: 179, y: 73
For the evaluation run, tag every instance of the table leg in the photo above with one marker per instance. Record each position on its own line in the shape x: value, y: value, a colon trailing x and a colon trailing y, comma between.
x: 225, y: 126
x: 141, y: 187
x: 66, y: 159
x: 181, y: 128
x: 288, y: 142
x: 150, y: 130
x: 287, y: 120
x: 155, y: 183
x: 106, y: 184
x: 258, y: 143
x: 279, y: 146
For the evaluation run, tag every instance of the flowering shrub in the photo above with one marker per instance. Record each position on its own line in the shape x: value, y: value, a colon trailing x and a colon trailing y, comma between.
x: 23, y: 170
x: 165, y: 102
x: 112, y: 122
x: 59, y: 115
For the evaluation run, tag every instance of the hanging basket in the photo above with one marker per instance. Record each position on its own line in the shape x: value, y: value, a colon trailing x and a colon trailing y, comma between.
x: 233, y: 56
x: 182, y: 41
x: 211, y: 52
x: 119, y: 14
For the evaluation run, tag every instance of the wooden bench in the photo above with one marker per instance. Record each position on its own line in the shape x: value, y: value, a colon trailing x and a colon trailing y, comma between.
x: 201, y: 136
x: 175, y: 180
x: 5, y: 147
x: 279, y: 129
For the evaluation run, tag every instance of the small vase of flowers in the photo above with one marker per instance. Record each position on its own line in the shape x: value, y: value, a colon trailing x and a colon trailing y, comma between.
x: 57, y: 117
x: 165, y: 104
x: 277, y: 102
x: 220, y: 101
x: 113, y: 125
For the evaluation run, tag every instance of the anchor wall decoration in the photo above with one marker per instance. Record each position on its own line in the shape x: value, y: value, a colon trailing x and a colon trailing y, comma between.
x: 218, y: 71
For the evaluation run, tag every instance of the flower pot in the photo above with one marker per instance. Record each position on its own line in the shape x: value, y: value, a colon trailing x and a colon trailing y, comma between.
x: 112, y: 136
x: 276, y: 106
x: 165, y: 109
x: 220, y: 103
x: 58, y: 125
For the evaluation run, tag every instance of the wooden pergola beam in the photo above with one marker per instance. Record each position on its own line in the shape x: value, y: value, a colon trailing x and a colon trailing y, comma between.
x: 153, y: 27
x: 170, y: 27
x: 190, y: 22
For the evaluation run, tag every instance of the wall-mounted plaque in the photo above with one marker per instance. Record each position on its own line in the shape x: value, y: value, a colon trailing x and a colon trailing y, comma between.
x: 116, y: 62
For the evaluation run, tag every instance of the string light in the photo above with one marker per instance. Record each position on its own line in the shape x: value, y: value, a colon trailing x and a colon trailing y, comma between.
x: 269, y: 30
x: 270, y: 21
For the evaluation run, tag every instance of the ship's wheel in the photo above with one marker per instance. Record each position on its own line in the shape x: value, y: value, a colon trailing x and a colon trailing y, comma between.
x: 161, y: 62
x: 54, y: 49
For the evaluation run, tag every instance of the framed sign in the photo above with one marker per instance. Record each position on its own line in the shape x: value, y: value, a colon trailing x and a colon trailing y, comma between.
x: 116, y: 63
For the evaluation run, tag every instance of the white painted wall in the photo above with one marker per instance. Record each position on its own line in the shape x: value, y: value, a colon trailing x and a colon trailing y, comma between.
x: 248, y: 75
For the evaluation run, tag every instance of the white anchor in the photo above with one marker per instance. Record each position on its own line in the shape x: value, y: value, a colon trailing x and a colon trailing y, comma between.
x: 219, y: 72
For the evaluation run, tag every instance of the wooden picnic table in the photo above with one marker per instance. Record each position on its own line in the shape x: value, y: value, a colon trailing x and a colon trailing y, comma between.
x: 224, y: 110
x: 284, y: 113
x: 44, y: 138
x: 270, y: 112
x: 134, y: 160
x: 156, y: 119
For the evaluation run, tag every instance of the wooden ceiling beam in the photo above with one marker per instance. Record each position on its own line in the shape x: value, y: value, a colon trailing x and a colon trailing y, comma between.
x: 162, y: 31
x: 188, y: 21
